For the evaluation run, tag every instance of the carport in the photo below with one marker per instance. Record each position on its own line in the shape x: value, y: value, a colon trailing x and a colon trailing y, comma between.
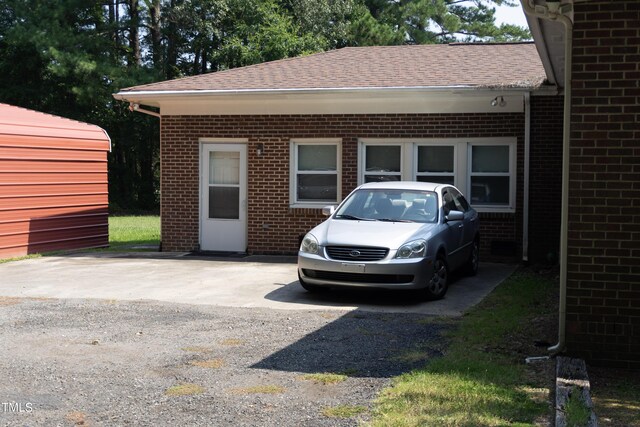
x: 53, y: 183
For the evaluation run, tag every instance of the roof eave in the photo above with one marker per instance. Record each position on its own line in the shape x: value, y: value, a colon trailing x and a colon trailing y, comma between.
x: 128, y: 95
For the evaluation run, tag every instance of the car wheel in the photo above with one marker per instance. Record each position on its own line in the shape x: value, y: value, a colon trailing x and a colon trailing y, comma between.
x: 309, y: 287
x: 439, y: 280
x: 474, y: 259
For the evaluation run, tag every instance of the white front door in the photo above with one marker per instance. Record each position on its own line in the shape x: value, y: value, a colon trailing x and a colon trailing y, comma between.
x: 223, y: 207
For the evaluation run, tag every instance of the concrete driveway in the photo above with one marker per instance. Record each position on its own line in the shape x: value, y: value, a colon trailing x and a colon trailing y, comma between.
x: 268, y: 282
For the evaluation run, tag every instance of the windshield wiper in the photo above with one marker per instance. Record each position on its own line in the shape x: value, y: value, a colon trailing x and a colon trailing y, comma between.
x: 393, y: 220
x: 353, y: 217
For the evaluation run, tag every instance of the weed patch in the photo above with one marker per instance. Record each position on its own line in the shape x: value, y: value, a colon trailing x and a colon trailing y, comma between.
x: 232, y: 342
x: 325, y: 378
x: 576, y: 410
x: 343, y: 411
x: 260, y: 389
x: 185, y: 389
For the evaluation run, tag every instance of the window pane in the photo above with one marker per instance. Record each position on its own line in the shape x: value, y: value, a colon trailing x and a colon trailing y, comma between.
x: 317, y: 187
x: 381, y: 178
x: 490, y: 158
x: 435, y: 159
x: 437, y: 179
x: 382, y: 158
x: 224, y: 202
x: 490, y: 190
x: 317, y: 157
x: 224, y: 167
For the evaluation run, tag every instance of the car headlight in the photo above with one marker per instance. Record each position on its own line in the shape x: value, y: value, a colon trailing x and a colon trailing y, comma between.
x: 309, y: 244
x: 414, y: 249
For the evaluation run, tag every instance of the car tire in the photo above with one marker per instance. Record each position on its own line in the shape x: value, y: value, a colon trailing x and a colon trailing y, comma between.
x: 439, y: 279
x: 309, y: 287
x: 471, y: 267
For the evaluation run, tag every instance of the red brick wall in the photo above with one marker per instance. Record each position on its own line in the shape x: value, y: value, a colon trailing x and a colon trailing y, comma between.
x: 273, y: 227
x: 545, y: 178
x: 603, y: 295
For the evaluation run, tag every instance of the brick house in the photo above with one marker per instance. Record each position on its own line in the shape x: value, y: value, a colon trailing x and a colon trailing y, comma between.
x: 249, y: 156
x: 603, y: 224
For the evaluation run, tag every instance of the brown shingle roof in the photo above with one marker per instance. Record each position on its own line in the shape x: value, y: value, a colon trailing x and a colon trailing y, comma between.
x: 474, y: 65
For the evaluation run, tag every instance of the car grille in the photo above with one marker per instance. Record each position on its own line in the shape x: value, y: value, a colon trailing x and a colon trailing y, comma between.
x: 351, y: 253
x: 337, y: 276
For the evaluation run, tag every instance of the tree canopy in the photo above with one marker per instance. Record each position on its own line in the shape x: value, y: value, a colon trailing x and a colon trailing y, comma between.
x: 67, y: 57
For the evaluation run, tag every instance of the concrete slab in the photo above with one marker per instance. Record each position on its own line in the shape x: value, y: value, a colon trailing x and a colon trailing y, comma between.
x: 269, y: 282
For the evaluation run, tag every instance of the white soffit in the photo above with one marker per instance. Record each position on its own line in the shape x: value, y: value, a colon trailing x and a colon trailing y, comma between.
x: 374, y: 102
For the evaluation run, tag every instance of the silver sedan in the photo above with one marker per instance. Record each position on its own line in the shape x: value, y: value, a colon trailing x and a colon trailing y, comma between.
x: 395, y: 235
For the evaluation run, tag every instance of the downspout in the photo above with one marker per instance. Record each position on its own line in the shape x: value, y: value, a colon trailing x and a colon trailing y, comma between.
x: 136, y: 107
x: 525, y: 202
x: 554, y: 12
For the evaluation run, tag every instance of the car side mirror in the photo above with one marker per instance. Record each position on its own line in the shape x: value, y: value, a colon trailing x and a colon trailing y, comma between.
x: 328, y: 210
x: 454, y: 216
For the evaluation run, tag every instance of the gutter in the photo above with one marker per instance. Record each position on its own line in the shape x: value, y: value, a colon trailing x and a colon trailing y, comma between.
x: 527, y: 168
x: 136, y: 107
x: 553, y: 11
x: 125, y: 95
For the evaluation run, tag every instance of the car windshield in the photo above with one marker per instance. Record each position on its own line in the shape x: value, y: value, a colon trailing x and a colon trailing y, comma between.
x: 390, y: 205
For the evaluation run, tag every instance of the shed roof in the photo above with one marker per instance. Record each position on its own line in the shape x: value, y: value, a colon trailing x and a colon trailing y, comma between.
x: 21, y: 121
x: 479, y: 65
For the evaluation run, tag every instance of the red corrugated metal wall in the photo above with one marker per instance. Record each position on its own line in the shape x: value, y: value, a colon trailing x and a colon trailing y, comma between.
x: 53, y: 183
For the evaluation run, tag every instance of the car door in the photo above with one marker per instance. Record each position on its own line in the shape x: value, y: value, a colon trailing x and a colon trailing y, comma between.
x: 470, y: 222
x: 454, y: 231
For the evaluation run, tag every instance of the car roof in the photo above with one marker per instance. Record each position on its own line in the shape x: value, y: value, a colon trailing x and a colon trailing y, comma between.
x: 403, y: 185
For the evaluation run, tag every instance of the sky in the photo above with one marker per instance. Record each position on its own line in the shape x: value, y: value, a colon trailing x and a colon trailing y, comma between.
x: 510, y: 15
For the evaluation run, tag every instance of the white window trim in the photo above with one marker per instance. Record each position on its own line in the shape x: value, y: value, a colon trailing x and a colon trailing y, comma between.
x: 440, y: 143
x: 512, y: 174
x: 404, y: 160
x: 462, y: 166
x: 293, y: 171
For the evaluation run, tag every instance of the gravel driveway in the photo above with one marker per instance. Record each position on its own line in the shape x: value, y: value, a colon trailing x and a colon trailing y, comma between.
x: 113, y: 362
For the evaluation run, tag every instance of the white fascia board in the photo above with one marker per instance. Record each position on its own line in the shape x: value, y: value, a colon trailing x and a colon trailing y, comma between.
x: 453, y: 99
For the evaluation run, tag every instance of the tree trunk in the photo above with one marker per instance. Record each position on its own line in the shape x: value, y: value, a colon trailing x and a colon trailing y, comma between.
x: 155, y: 30
x: 134, y: 33
x: 172, y: 45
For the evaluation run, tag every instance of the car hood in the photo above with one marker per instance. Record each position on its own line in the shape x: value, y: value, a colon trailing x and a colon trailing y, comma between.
x: 370, y: 233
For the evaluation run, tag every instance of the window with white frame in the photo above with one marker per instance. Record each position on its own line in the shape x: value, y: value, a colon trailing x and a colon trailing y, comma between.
x: 435, y: 163
x: 484, y: 169
x: 382, y: 162
x: 315, y: 172
x: 490, y: 175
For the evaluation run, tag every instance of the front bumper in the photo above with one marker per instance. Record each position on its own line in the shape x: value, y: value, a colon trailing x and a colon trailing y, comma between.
x: 388, y: 273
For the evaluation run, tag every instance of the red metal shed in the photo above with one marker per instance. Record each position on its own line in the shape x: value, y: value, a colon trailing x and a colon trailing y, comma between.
x: 53, y: 183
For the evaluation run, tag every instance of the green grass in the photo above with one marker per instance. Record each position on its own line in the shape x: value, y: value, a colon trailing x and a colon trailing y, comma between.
x: 129, y: 231
x: 343, y: 411
x: 20, y: 258
x: 481, y: 380
x: 125, y: 233
x: 576, y: 411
